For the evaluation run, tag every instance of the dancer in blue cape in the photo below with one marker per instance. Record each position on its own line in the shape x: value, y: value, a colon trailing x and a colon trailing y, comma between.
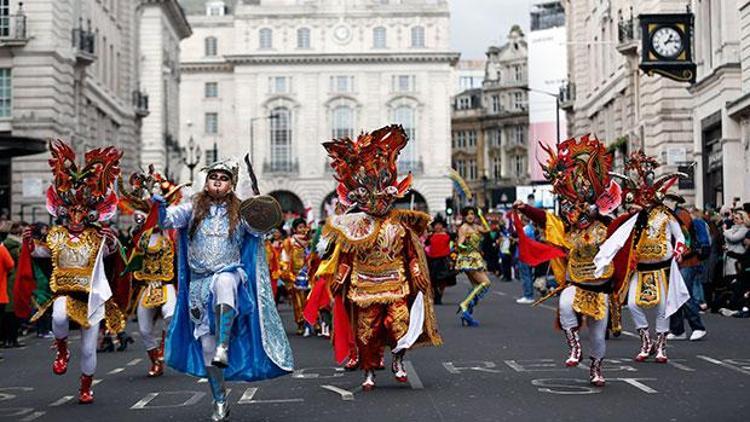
x: 225, y: 326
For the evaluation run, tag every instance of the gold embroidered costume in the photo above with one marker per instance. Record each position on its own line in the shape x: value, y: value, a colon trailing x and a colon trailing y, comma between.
x: 381, y: 266
x: 73, y: 261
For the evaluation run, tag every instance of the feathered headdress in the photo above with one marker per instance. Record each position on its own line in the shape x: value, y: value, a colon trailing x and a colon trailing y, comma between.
x: 641, y: 186
x: 85, y: 189
x: 366, y: 169
x: 579, y: 173
x: 142, y: 186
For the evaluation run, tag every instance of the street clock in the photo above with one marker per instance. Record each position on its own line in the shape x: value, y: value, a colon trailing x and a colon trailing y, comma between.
x: 667, y: 46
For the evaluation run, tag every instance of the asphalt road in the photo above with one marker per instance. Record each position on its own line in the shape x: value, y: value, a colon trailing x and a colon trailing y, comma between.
x: 508, y: 368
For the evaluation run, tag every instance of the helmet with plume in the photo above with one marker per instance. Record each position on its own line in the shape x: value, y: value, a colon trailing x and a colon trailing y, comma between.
x: 366, y: 169
x: 82, y: 195
x: 641, y: 186
x: 579, y: 174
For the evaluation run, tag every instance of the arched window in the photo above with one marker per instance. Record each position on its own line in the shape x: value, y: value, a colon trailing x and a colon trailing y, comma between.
x: 265, y: 36
x: 303, y: 38
x: 211, y: 46
x: 406, y: 117
x: 417, y: 37
x: 342, y: 123
x: 378, y: 37
x: 281, y: 139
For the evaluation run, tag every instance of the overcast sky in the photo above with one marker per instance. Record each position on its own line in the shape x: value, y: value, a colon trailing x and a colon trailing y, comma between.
x: 478, y: 24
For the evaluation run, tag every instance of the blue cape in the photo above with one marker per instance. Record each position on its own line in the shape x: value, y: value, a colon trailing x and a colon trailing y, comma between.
x: 259, y: 348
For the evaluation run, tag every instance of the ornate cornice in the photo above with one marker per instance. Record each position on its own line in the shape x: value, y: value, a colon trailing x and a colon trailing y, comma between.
x: 176, y: 14
x: 344, y: 58
x: 206, y: 67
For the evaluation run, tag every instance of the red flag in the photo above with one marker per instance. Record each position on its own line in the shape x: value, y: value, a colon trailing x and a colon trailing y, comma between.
x: 530, y: 251
x: 343, y: 338
x: 25, y: 284
x: 319, y: 299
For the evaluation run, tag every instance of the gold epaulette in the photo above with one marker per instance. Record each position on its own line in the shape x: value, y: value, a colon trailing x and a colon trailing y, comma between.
x: 416, y: 221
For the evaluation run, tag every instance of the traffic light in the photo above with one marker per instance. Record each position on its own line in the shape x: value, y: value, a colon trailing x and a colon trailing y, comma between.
x: 449, y: 206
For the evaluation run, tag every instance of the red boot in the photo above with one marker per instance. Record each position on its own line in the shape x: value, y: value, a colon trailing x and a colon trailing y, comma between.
x: 161, y: 346
x: 85, y: 395
x: 60, y: 364
x: 157, y: 367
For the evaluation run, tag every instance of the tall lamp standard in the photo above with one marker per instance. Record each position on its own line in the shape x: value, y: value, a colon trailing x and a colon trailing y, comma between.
x: 252, y: 132
x: 191, y: 155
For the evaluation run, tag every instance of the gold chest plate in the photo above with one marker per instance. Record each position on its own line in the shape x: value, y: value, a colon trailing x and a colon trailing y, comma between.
x: 73, y: 259
x: 585, y: 245
x: 158, y: 262
x: 653, y: 242
x: 378, y: 272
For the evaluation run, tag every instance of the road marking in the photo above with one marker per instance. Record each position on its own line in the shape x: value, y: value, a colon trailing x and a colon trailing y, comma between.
x: 629, y: 334
x: 456, y: 367
x: 304, y: 374
x: 724, y: 364
x: 345, y: 394
x: 637, y: 384
x: 416, y: 383
x: 500, y: 293
x: 680, y: 366
x: 95, y: 382
x: 134, y: 362
x: 33, y: 416
x: 61, y: 401
x: 195, y: 397
x: 202, y: 380
x: 115, y: 371
x: 535, y: 365
x: 247, y: 398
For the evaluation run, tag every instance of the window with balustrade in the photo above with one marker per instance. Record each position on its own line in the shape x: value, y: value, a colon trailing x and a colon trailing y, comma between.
x: 379, y: 37
x: 211, y: 46
x: 342, y: 123
x: 303, y: 38
x: 417, y: 37
x: 265, y: 39
x: 281, y: 139
x: 212, y: 123
x: 406, y: 117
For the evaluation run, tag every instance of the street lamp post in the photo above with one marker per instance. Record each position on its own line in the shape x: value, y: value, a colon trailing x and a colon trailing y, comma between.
x: 252, y: 132
x: 191, y: 156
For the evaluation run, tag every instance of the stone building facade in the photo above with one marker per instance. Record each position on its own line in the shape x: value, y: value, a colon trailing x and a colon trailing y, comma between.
x: 275, y: 78
x: 69, y: 69
x: 490, y: 126
x: 721, y: 104
x: 613, y: 99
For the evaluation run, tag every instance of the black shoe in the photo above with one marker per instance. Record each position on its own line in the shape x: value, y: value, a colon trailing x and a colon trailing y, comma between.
x: 124, y: 339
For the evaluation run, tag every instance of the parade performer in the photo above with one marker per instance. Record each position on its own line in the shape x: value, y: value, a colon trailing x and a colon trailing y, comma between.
x: 471, y: 262
x: 225, y: 325
x: 274, y: 242
x: 80, y: 199
x: 294, y: 265
x: 652, y: 243
x: 317, y: 310
x: 438, y: 249
x: 151, y: 260
x: 579, y: 174
x: 377, y: 264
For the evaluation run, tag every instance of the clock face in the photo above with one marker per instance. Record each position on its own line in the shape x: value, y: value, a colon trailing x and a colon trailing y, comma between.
x: 342, y: 33
x: 667, y: 42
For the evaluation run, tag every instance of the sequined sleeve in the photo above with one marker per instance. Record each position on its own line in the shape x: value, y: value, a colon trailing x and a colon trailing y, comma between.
x: 178, y: 217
